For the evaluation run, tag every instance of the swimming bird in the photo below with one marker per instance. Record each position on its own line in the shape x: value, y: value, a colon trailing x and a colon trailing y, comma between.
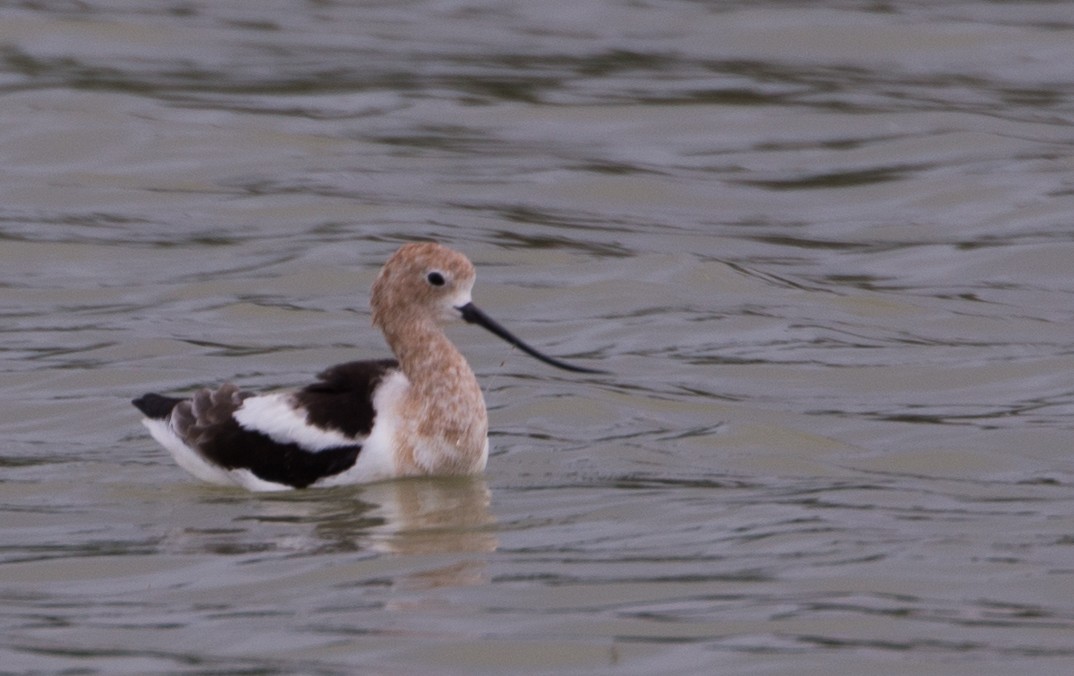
x: 420, y: 414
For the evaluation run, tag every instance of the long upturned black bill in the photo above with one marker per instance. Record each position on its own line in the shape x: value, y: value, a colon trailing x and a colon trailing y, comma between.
x: 472, y: 314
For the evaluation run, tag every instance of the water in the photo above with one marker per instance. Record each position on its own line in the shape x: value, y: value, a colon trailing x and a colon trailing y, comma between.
x: 825, y: 249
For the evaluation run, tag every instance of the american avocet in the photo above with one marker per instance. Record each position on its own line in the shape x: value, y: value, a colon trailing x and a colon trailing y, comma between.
x: 419, y: 414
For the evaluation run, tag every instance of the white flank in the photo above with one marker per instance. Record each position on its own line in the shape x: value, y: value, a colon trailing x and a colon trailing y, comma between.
x: 252, y: 482
x: 275, y: 416
x: 187, y: 457
x: 376, y: 461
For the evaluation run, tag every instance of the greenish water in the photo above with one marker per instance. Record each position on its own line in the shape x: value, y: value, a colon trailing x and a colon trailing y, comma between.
x: 824, y: 249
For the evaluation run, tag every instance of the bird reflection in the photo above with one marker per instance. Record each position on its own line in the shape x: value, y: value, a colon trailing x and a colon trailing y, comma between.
x: 409, y: 517
x: 428, y: 516
x: 431, y: 516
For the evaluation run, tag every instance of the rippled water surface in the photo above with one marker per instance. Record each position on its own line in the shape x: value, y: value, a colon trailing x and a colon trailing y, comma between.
x: 825, y: 248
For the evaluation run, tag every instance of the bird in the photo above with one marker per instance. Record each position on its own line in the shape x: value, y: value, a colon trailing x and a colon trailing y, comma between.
x: 421, y: 413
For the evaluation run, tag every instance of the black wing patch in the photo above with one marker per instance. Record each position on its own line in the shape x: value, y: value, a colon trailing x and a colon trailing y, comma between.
x: 341, y: 400
x: 233, y: 447
x: 207, y: 423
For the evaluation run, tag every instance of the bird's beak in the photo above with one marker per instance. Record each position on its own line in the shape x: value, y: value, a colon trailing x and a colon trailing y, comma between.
x: 473, y: 315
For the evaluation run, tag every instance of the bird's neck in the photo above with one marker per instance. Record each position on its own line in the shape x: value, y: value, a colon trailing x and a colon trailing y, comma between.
x: 445, y: 398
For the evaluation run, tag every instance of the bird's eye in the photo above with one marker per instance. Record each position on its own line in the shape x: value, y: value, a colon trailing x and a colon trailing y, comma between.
x: 435, y: 278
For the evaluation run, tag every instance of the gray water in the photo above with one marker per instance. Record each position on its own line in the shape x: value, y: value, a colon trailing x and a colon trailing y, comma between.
x: 825, y: 249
